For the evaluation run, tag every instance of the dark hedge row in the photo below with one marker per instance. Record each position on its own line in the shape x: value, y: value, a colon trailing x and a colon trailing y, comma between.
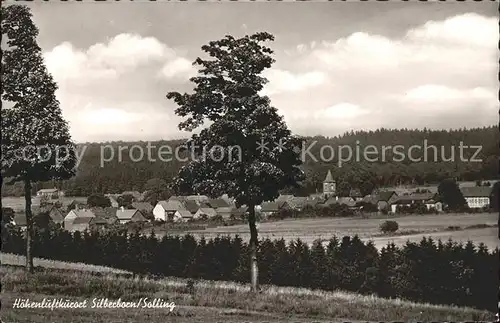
x: 430, y: 271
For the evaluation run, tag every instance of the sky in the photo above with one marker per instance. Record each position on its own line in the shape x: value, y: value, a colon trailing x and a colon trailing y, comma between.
x: 339, y: 66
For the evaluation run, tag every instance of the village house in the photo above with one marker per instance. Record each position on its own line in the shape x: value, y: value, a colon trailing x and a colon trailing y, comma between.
x: 74, y: 203
x: 192, y: 206
x: 240, y: 212
x: 114, y: 201
x: 54, y: 213
x: 269, y: 208
x: 384, y: 200
x: 284, y: 198
x: 177, y: 198
x: 74, y: 214
x: 125, y: 216
x: 297, y: 202
x: 224, y: 212
x: 87, y: 223
x: 348, y: 201
x: 355, y: 195
x: 144, y: 207
x: 430, y: 200
x: 477, y: 196
x: 182, y: 216
x: 217, y: 203
x: 205, y: 213
x: 164, y: 209
x: 108, y: 214
x: 50, y: 193
x: 19, y: 220
x: 197, y: 198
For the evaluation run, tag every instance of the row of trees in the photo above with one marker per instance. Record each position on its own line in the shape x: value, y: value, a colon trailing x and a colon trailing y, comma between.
x: 429, y: 271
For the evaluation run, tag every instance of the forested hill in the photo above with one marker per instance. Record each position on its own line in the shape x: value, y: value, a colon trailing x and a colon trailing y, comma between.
x: 96, y: 174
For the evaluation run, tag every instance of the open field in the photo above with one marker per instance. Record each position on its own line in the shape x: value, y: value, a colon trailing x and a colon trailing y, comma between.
x: 206, y: 301
x: 309, y: 230
x: 17, y: 260
x: 17, y: 203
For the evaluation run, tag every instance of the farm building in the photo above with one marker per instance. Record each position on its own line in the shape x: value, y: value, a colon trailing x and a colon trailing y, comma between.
x: 164, y: 209
x: 182, y: 216
x: 205, y: 213
x: 125, y: 216
x: 477, y: 196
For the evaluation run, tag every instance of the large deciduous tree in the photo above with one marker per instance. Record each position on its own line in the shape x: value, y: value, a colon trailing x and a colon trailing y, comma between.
x: 247, y: 151
x: 451, y: 195
x: 36, y: 144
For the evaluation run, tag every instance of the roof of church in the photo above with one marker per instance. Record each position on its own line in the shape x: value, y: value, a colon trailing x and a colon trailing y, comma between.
x: 329, y: 177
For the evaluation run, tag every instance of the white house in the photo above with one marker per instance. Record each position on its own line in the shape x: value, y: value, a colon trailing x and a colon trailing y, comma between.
x: 164, y: 209
x: 50, y: 193
x: 477, y: 196
x: 76, y: 213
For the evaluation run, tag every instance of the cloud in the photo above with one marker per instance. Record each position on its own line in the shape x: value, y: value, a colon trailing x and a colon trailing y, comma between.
x: 340, y: 111
x: 440, y: 93
x: 285, y: 81
x: 66, y: 63
x: 465, y: 30
x: 179, y: 67
x: 122, y: 54
x: 436, y: 72
x: 110, y: 90
x: 439, y: 74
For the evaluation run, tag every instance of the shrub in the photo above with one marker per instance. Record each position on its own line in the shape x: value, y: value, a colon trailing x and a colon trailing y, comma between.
x: 389, y: 226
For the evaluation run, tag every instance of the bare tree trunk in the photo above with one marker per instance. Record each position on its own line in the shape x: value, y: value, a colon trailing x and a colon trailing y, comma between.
x: 29, y: 225
x: 254, y: 269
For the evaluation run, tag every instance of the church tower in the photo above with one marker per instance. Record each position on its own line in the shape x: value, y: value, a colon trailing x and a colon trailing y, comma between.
x: 329, y: 185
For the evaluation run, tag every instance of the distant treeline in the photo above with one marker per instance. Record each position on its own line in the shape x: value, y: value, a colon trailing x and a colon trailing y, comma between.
x: 118, y: 175
x: 434, y: 272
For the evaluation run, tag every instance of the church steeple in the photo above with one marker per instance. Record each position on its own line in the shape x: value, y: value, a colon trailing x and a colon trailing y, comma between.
x: 329, y: 185
x: 329, y: 178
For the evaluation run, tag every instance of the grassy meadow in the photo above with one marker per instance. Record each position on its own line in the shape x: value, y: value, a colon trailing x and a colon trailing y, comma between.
x: 202, y: 301
x: 411, y: 227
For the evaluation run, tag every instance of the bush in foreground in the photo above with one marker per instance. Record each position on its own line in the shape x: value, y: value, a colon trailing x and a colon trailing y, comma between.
x: 389, y: 227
